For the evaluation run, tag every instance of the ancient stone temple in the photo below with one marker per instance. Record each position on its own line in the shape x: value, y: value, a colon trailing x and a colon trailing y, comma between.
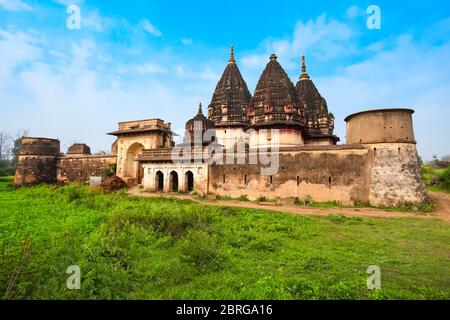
x: 277, y: 143
x: 228, y: 107
x: 319, y: 122
x: 275, y: 105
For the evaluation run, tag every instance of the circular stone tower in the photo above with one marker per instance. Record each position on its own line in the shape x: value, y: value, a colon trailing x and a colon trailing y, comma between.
x: 37, y: 161
x: 395, y: 177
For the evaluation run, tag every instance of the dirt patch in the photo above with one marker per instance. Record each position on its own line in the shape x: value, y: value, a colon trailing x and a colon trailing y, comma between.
x: 113, y: 184
x: 441, y: 201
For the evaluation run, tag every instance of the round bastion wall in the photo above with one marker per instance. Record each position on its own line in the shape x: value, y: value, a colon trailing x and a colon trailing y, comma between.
x: 381, y: 126
x: 37, y: 161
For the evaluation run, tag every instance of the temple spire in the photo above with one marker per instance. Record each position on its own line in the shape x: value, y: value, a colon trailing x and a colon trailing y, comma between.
x: 200, y: 108
x: 232, y: 60
x: 304, y: 75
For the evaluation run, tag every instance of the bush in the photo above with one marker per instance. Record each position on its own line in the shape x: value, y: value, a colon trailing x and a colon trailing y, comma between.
x: 436, y: 179
x: 7, y: 168
x: 109, y: 171
x: 444, y: 180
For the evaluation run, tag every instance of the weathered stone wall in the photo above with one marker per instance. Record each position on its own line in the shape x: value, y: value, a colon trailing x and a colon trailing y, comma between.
x: 37, y: 161
x: 332, y: 173
x: 80, y: 168
x: 395, y: 175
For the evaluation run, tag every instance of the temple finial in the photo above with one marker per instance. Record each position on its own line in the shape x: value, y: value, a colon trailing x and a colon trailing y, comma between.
x: 232, y: 55
x: 304, y: 75
x: 200, y: 108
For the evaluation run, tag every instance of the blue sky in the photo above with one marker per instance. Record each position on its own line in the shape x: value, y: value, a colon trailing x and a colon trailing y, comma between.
x: 145, y: 59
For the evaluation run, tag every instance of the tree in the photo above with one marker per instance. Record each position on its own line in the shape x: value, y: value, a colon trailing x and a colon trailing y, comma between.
x: 18, y: 144
x: 5, y: 145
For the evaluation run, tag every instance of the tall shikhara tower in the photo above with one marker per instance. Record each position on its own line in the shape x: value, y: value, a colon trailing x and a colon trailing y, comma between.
x: 275, y: 105
x: 229, y: 103
x: 319, y: 122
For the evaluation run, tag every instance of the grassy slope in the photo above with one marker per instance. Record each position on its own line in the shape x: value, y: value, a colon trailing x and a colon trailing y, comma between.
x: 133, y: 248
x: 429, y: 175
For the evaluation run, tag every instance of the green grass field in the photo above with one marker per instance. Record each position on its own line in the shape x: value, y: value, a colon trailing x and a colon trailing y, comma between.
x: 144, y: 248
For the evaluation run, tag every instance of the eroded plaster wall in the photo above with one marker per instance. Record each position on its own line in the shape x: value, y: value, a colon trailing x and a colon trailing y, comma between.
x: 81, y: 168
x: 325, y: 174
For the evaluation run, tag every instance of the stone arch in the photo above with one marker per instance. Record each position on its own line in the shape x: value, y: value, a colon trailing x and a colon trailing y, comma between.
x: 159, y: 181
x: 189, y: 181
x: 173, y: 181
x: 131, y: 165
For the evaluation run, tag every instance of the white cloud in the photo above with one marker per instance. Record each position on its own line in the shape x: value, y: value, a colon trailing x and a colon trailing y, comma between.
x: 147, y: 26
x: 353, y: 12
x: 186, y: 41
x: 76, y: 95
x: 255, y: 60
x: 92, y: 19
x: 15, y: 5
x: 150, y: 68
x: 323, y: 38
x: 16, y: 50
x: 69, y: 2
x: 407, y: 76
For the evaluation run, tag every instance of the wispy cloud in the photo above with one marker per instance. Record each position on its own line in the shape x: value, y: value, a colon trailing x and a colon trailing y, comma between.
x: 147, y: 26
x: 186, y: 41
x: 15, y: 5
x: 322, y: 38
x: 150, y: 68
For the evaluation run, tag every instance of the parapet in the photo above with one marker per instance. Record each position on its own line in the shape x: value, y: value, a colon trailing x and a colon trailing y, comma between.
x: 381, y: 126
x: 32, y: 146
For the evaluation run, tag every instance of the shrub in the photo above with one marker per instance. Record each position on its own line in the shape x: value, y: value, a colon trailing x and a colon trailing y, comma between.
x: 444, y: 180
x: 308, y: 200
x: 109, y: 171
x: 243, y: 198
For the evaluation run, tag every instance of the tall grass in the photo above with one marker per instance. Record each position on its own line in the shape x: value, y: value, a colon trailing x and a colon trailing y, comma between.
x: 141, y: 248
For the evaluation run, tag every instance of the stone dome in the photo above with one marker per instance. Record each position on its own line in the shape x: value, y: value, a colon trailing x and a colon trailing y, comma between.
x: 197, y: 126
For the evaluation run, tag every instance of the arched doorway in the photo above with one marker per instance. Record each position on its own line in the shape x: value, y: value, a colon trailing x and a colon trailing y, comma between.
x: 131, y: 165
x: 173, y: 181
x: 189, y: 178
x: 159, y: 181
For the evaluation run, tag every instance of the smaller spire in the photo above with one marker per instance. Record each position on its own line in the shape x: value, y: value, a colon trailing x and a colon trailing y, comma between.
x: 304, y: 75
x: 232, y: 60
x: 200, y: 108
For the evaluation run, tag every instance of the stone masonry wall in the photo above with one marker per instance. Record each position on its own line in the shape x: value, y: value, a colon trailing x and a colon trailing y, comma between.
x: 335, y: 173
x: 395, y: 175
x: 80, y: 168
x: 37, y: 161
